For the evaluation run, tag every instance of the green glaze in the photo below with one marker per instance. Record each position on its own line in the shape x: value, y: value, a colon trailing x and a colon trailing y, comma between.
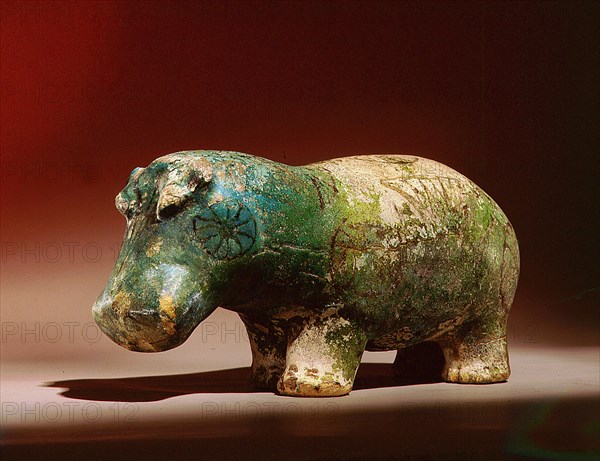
x: 323, y: 261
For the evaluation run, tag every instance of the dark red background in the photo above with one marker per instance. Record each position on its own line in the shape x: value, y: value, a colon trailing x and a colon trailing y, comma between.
x: 506, y: 93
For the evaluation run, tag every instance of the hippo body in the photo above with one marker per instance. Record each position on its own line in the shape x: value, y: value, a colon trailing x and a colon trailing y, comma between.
x: 323, y: 261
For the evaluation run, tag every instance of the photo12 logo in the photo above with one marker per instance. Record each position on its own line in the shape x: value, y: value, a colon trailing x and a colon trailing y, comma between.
x: 68, y: 412
x: 50, y: 332
x: 241, y: 411
x: 34, y: 252
x: 89, y: 332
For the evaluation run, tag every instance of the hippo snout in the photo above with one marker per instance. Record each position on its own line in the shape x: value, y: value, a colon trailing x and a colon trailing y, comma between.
x: 137, y: 330
x: 150, y: 318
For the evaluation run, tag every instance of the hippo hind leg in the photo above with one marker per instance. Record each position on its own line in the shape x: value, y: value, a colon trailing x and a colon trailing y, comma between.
x: 322, y: 359
x: 421, y: 362
x: 476, y: 353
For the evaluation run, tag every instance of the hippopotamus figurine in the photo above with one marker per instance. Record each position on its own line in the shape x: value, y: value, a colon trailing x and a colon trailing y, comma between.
x: 321, y: 262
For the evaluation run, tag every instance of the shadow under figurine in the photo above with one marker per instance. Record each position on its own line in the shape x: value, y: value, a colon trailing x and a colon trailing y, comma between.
x: 323, y: 261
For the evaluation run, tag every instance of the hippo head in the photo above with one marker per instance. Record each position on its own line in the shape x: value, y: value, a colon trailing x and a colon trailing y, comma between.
x: 180, y: 234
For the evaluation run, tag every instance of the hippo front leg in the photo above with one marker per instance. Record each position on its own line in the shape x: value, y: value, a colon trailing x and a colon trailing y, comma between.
x: 268, y: 343
x: 322, y: 360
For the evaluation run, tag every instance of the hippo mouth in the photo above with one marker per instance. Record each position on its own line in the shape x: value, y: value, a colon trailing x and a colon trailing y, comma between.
x: 137, y: 336
x: 142, y: 330
x: 146, y: 346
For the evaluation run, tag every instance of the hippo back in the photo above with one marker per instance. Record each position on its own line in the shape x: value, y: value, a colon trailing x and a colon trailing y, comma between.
x: 417, y: 244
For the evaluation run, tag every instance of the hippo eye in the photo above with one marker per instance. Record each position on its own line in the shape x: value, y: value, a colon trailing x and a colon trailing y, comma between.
x: 167, y: 212
x: 226, y: 229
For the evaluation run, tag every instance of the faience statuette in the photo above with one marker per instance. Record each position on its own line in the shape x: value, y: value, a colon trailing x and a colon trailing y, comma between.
x: 321, y: 262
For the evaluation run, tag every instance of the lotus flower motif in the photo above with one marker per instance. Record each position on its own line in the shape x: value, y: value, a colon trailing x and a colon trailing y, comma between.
x: 226, y: 229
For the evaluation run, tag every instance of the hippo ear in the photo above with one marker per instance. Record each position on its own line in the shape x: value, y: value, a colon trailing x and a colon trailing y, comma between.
x: 180, y: 183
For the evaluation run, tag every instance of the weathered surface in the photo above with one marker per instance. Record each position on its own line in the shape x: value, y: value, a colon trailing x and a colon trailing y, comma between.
x: 323, y: 261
